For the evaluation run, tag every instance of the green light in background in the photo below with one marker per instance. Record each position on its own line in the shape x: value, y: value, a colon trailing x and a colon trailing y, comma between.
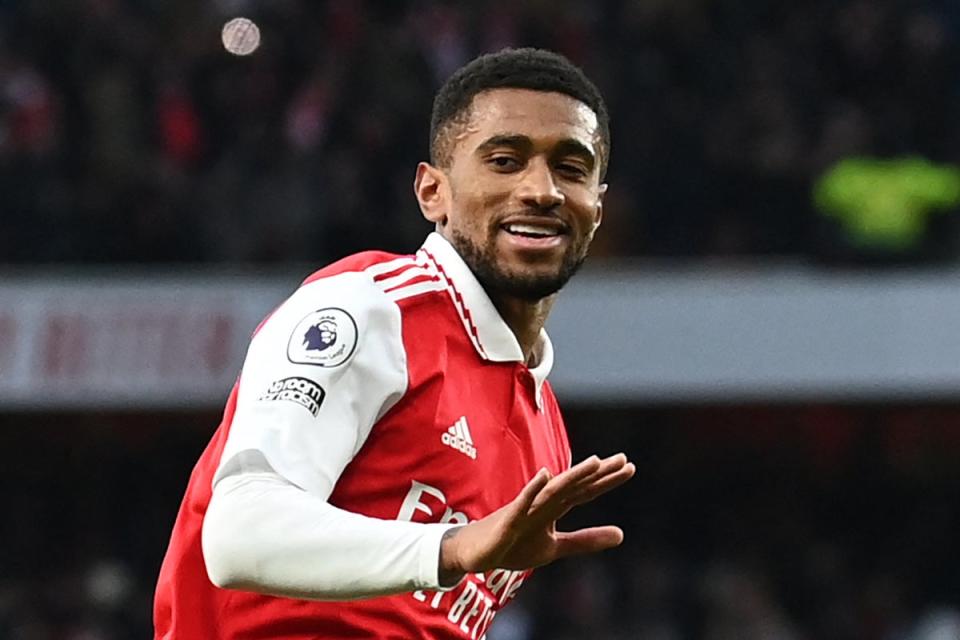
x: 884, y: 204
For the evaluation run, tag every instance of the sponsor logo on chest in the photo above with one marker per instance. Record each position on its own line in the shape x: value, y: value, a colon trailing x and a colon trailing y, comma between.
x: 458, y: 437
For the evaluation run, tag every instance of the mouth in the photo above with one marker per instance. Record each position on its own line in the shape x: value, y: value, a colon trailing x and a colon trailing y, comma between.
x: 536, y: 234
x: 532, y: 230
x: 535, y: 227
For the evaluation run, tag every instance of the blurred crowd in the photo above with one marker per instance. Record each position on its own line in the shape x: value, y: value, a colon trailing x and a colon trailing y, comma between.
x: 807, y: 523
x: 750, y: 523
x: 128, y: 134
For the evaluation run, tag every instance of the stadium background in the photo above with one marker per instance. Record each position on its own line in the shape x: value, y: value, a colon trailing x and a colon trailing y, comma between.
x: 766, y: 329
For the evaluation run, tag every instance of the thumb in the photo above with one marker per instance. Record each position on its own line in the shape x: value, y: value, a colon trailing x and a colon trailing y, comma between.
x: 590, y: 540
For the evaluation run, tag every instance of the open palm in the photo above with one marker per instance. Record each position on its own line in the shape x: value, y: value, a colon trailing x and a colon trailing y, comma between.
x: 522, y: 534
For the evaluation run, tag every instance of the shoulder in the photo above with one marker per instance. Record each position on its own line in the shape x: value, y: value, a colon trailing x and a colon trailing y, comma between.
x: 356, y: 263
x: 353, y: 296
x: 352, y: 284
x: 341, y: 301
x: 386, y: 276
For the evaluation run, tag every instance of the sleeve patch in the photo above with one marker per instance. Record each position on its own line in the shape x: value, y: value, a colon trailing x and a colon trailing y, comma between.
x: 326, y: 338
x: 307, y: 393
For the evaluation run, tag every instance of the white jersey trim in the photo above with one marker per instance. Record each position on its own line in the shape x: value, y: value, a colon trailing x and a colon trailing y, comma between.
x: 412, y: 290
x: 488, y: 332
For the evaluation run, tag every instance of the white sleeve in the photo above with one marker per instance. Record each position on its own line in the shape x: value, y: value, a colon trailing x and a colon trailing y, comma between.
x: 322, y: 369
x: 263, y: 534
x: 319, y: 373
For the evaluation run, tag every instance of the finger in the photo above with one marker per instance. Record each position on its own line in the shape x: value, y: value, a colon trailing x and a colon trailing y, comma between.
x: 521, y: 504
x: 598, y: 487
x: 612, y: 472
x: 588, y: 540
x: 607, y: 465
x: 565, y: 484
x: 583, y: 469
x: 603, y: 485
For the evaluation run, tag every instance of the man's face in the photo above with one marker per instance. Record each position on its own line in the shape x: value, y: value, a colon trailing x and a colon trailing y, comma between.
x: 524, y: 190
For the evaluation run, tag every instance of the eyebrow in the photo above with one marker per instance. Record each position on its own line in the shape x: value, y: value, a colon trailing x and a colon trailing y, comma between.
x: 511, y: 140
x: 567, y: 146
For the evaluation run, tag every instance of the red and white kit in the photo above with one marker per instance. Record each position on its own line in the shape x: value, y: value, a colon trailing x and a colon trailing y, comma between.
x: 383, y: 402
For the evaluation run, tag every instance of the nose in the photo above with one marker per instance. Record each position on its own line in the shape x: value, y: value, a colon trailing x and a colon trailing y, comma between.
x: 538, y: 189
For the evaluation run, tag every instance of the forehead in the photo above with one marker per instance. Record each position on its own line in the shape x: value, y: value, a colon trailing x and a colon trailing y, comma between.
x: 540, y: 115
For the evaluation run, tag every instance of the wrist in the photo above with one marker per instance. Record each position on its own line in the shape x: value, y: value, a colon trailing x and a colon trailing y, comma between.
x: 450, y: 572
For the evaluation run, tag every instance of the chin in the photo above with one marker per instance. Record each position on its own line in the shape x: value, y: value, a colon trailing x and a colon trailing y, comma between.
x: 502, y: 275
x: 525, y: 284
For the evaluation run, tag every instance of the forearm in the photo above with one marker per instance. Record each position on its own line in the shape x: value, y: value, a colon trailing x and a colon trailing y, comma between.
x: 263, y: 534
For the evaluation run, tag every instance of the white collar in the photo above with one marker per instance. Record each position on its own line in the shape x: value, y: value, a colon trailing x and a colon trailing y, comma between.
x: 488, y: 332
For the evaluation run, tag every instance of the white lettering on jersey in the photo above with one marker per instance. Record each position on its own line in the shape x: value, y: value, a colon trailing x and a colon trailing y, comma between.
x: 469, y: 589
x: 468, y: 604
x: 474, y: 610
x: 412, y: 502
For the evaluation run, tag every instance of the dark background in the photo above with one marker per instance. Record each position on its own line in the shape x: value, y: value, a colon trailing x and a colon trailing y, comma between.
x: 128, y: 135
x: 815, y: 521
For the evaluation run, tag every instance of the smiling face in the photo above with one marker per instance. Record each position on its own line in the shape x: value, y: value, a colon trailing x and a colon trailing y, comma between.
x: 521, y: 197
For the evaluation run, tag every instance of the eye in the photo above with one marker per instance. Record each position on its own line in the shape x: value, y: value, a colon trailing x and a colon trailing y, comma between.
x: 571, y: 170
x: 504, y: 163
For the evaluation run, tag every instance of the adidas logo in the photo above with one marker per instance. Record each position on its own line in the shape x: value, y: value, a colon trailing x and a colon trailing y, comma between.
x: 458, y: 437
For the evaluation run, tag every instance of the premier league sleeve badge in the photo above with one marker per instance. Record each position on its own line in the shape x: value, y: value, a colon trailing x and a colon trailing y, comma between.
x: 326, y: 338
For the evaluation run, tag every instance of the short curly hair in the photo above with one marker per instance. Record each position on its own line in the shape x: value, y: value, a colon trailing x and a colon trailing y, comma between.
x: 526, y: 68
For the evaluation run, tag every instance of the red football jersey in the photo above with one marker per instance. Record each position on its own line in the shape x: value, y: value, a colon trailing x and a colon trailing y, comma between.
x: 391, y: 387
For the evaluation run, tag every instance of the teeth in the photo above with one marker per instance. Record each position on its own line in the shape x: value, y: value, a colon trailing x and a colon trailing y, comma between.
x: 531, y: 230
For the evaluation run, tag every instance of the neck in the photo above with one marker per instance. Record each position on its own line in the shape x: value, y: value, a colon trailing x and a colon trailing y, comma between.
x: 525, y: 319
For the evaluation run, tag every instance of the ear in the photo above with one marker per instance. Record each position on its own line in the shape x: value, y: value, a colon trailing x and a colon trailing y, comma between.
x: 431, y: 189
x: 598, y: 216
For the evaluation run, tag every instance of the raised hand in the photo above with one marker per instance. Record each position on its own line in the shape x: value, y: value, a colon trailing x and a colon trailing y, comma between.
x: 522, y: 534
